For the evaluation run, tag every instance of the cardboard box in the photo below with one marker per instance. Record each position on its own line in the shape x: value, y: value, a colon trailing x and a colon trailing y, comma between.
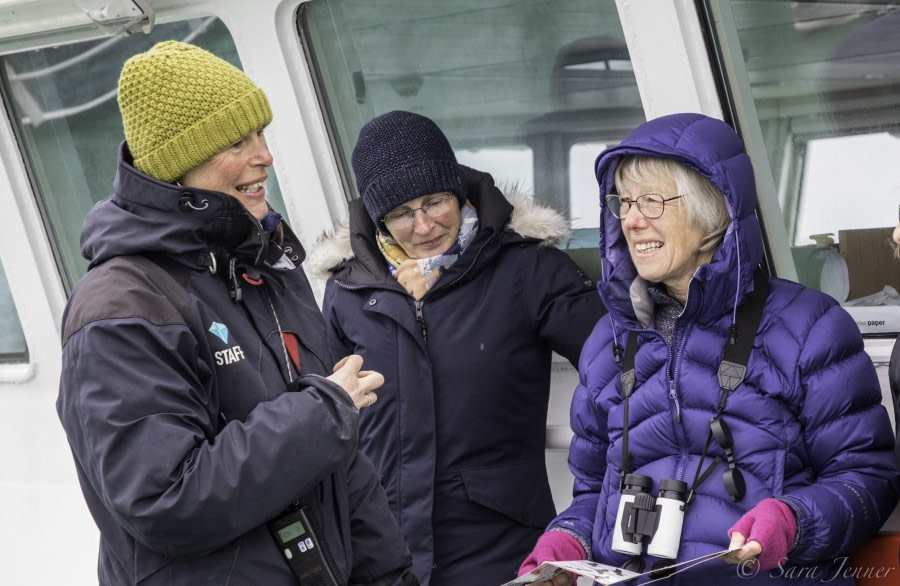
x: 870, y: 260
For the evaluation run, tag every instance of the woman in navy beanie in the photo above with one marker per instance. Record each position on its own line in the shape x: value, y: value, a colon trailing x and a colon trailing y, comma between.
x: 400, y: 156
x: 455, y: 292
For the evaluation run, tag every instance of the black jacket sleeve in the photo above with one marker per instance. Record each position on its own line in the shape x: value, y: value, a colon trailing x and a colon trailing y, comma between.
x: 562, y: 300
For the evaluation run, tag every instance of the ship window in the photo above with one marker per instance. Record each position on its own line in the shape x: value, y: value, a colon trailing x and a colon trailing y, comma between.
x: 824, y: 83
x: 514, y: 85
x: 62, y: 101
x: 12, y: 339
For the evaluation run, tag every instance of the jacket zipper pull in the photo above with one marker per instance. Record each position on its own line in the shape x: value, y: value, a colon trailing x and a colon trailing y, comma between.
x: 674, y: 397
x: 420, y: 319
x: 235, y: 289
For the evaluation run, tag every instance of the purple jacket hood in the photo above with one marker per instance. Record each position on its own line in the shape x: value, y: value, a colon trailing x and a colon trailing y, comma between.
x: 713, y: 149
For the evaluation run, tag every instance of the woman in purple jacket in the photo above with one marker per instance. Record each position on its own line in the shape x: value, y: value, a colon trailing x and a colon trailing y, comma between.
x: 792, y: 466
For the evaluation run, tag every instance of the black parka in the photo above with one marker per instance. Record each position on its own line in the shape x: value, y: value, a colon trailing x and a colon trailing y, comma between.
x: 173, y: 397
x: 458, y: 431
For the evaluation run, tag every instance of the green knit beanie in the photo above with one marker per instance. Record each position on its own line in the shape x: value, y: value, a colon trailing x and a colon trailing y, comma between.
x: 181, y: 105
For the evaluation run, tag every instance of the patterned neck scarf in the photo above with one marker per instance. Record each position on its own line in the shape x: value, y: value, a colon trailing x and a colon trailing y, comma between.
x: 417, y: 276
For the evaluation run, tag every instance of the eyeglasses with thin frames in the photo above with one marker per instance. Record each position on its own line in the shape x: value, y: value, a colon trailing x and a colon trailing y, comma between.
x: 434, y: 207
x: 651, y: 205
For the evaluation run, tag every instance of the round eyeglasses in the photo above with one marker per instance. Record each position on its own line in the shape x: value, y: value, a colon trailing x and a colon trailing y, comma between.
x: 652, y: 205
x: 404, y: 217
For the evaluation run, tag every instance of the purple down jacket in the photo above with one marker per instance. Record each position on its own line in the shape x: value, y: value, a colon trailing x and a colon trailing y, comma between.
x: 807, y: 422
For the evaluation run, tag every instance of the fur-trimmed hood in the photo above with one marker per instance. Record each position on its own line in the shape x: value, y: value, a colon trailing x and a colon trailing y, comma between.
x: 528, y: 219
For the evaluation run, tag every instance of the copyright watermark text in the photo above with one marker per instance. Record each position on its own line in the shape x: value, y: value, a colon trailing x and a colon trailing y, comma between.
x: 840, y: 569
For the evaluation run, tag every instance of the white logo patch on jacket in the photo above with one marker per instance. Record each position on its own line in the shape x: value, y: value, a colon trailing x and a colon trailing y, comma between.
x: 229, y: 355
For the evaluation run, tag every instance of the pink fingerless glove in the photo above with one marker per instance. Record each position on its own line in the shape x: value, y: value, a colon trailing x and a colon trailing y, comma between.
x: 772, y: 524
x: 553, y: 546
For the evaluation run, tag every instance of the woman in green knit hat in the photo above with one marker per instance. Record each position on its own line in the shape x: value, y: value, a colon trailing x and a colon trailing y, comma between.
x: 181, y: 346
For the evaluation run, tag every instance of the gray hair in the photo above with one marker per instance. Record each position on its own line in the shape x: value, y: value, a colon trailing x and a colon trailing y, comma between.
x: 704, y: 202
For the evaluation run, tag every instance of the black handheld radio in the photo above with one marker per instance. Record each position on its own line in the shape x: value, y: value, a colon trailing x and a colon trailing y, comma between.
x: 296, y: 537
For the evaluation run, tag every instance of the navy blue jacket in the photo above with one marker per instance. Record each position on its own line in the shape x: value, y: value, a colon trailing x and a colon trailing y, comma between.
x: 458, y: 431
x: 173, y: 397
x: 894, y: 381
x: 807, y: 421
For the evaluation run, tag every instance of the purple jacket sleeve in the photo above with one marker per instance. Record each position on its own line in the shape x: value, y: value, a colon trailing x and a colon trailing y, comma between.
x: 848, y: 441
x: 587, y: 453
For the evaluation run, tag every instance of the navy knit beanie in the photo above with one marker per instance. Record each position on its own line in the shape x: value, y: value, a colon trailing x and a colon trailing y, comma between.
x: 400, y: 156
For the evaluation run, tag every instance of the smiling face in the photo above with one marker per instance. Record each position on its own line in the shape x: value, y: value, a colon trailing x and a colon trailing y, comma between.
x: 664, y: 249
x: 427, y: 236
x: 238, y: 171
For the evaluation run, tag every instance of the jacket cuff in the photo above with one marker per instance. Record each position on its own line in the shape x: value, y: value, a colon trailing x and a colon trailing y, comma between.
x: 793, y: 505
x: 584, y: 544
x: 323, y: 385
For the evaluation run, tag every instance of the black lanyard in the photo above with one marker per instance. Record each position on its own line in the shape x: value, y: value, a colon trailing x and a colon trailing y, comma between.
x: 732, y: 369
